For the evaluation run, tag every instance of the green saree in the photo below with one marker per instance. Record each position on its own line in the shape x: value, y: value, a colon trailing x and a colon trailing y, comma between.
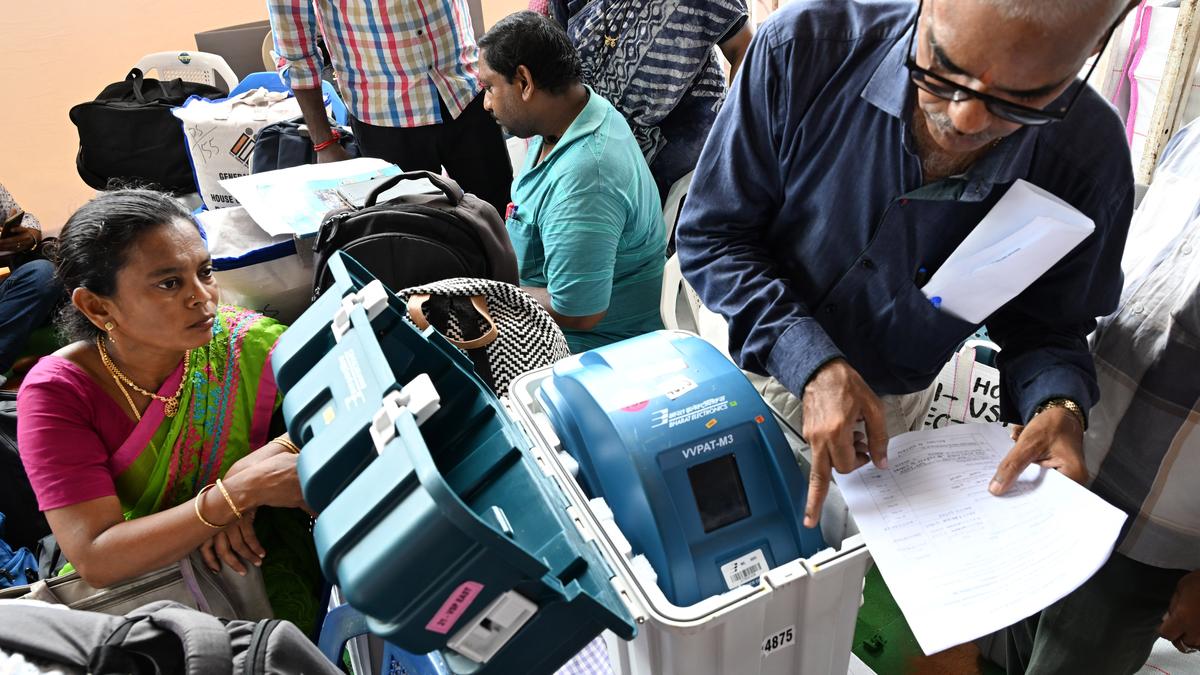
x: 224, y: 414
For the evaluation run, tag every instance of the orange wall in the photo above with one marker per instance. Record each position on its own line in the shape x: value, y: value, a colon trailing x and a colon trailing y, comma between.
x: 494, y: 10
x: 60, y: 53
x: 63, y: 52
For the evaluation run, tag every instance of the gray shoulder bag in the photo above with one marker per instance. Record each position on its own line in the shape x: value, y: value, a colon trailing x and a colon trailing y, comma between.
x: 189, y: 582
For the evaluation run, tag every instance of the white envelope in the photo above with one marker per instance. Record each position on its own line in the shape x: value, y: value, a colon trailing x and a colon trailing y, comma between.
x: 1023, y: 236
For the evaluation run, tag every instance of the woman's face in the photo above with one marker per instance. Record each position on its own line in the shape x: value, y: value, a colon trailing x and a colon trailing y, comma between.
x: 166, y: 296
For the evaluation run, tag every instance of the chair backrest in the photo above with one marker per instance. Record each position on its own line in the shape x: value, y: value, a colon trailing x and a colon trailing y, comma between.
x: 517, y: 149
x: 681, y: 309
x: 190, y: 67
x: 673, y: 204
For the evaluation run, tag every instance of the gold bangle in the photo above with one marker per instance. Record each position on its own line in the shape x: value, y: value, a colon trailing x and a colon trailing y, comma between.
x: 199, y: 496
x: 287, y: 443
x: 229, y: 500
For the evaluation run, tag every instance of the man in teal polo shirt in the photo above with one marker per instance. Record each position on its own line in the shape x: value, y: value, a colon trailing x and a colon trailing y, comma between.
x: 585, y: 219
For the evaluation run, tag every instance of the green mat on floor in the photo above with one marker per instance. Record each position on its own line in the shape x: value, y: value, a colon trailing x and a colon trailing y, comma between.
x: 882, y: 638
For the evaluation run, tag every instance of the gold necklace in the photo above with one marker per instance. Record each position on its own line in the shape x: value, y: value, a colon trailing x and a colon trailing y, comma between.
x: 170, y: 404
x: 137, y: 415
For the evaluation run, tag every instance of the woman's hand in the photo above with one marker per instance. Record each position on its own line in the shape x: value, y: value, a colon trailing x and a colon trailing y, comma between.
x: 266, y: 451
x: 269, y: 481
x: 234, y: 546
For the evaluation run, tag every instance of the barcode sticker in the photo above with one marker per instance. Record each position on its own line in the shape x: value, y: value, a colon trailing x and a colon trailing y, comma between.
x: 745, y: 569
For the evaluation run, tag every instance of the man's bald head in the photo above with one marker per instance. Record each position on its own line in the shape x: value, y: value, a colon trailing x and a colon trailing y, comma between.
x: 1055, y: 16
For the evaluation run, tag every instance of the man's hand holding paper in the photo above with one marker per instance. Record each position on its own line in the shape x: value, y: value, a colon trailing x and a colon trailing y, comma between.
x: 1052, y: 440
x: 958, y: 559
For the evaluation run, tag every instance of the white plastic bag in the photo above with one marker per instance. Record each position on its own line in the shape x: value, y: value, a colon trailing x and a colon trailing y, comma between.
x: 1150, y: 29
x: 220, y: 136
x: 255, y: 270
x: 965, y: 390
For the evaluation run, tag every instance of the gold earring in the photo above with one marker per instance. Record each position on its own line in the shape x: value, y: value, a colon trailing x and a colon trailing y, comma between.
x: 108, y: 326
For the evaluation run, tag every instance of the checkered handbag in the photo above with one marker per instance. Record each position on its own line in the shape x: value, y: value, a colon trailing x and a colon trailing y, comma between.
x: 502, y: 329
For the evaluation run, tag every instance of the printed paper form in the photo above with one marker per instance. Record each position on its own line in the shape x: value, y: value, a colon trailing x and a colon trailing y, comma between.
x: 960, y: 562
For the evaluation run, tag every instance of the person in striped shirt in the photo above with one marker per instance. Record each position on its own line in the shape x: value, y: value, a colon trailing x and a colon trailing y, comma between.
x: 1142, y: 449
x: 408, y: 70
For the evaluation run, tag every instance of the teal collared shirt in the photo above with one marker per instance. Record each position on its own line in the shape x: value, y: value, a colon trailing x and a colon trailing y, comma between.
x: 588, y: 227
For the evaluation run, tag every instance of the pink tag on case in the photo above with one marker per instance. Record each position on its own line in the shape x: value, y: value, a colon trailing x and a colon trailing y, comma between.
x: 454, y: 606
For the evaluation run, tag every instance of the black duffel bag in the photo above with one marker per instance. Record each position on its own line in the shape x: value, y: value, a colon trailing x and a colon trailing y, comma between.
x: 129, y: 135
x: 282, y: 145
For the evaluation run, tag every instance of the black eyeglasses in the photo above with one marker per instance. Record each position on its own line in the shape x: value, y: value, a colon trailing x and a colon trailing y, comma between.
x: 1006, y: 110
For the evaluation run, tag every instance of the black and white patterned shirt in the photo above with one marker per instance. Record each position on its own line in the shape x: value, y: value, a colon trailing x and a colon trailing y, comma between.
x: 663, y: 61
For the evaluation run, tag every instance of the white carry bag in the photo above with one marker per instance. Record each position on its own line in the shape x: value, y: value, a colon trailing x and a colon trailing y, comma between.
x: 220, y: 136
x: 269, y: 274
x: 966, y: 390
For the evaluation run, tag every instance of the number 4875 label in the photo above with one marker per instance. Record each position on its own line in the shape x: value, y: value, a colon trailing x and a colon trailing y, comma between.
x: 779, y: 640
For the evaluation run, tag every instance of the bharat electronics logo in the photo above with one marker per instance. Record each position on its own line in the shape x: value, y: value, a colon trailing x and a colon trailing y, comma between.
x: 660, y: 417
x: 706, y: 408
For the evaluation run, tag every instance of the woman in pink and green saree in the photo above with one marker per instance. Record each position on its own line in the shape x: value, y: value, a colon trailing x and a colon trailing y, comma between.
x: 150, y: 435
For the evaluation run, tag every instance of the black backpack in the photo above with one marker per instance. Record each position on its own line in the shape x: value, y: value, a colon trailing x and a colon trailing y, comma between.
x: 25, y: 524
x: 128, y: 134
x: 161, y: 637
x: 282, y: 146
x: 418, y: 239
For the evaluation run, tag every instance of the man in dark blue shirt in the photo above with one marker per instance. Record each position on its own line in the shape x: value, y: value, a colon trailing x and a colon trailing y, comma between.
x: 861, y: 143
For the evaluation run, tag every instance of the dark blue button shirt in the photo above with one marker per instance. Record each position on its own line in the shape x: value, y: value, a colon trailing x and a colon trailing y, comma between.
x: 808, y: 218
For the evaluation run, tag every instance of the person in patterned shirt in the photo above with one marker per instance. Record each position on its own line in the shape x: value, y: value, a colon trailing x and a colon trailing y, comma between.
x: 408, y: 70
x: 29, y: 292
x: 656, y: 62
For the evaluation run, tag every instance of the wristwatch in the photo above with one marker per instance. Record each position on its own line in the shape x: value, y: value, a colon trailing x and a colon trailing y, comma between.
x: 1067, y: 403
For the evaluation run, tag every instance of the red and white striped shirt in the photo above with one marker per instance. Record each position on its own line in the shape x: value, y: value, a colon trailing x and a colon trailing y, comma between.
x: 394, y: 58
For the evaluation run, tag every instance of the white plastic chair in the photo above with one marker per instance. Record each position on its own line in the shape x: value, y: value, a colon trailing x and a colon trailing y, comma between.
x: 517, y: 149
x: 674, y: 202
x: 681, y: 309
x: 189, y: 66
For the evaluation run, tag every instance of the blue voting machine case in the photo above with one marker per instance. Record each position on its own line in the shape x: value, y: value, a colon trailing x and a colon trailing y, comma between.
x: 435, y: 520
x: 689, y: 458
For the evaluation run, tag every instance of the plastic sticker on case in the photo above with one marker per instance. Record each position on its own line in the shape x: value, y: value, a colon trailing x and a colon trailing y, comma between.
x: 745, y: 569
x: 779, y: 640
x: 454, y: 606
x: 676, y: 386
